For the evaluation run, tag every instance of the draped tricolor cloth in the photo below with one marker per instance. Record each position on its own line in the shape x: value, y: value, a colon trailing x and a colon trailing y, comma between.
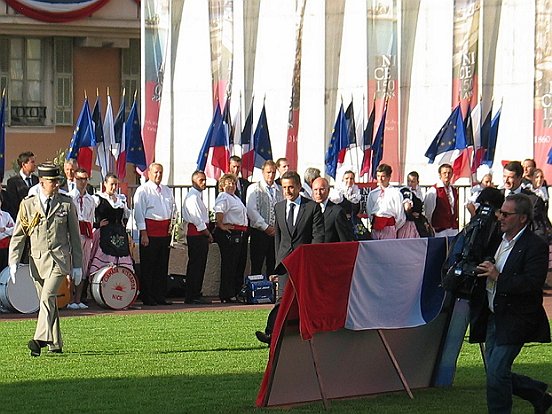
x: 56, y: 11
x: 380, y: 284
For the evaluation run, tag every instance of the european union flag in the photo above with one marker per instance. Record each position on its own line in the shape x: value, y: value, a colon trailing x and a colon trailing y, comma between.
x: 451, y: 136
x: 135, y: 146
x: 338, y: 142
x: 261, y: 139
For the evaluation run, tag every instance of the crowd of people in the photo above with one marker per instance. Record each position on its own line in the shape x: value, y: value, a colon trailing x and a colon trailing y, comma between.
x: 63, y: 230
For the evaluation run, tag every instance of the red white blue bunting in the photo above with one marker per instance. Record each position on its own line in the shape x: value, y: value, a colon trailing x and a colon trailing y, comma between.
x: 56, y: 11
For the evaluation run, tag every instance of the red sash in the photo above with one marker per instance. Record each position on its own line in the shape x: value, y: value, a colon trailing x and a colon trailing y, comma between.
x: 85, y: 229
x: 5, y: 243
x: 379, y: 223
x: 240, y: 228
x: 192, y: 230
x: 158, y: 228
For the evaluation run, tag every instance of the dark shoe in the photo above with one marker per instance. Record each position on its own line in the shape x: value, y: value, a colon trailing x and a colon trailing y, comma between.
x: 35, y: 347
x: 164, y: 302
x: 544, y: 404
x: 228, y: 300
x: 263, y: 337
x: 149, y: 303
x: 55, y: 351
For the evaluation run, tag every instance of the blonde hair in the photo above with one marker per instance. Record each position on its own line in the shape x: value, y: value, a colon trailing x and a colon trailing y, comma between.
x: 225, y: 178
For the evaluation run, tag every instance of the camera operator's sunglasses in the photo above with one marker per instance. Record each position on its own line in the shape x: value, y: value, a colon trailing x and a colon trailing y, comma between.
x: 506, y: 213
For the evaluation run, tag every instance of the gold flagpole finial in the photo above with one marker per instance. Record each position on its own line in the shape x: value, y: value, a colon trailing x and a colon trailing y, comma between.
x: 108, y: 91
x: 97, y: 92
x: 85, y: 97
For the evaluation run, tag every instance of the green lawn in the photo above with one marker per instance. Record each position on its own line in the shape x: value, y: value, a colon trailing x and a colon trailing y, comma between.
x: 195, y: 362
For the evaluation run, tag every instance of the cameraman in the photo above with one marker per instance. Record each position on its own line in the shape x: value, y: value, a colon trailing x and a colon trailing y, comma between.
x: 506, y: 307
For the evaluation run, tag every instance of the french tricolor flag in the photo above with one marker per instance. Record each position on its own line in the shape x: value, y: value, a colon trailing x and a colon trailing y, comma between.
x: 382, y: 284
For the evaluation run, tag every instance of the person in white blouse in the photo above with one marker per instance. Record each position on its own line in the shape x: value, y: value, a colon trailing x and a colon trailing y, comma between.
x: 85, y: 205
x: 198, y: 238
x: 261, y: 198
x: 6, y: 230
x: 154, y: 209
x: 230, y: 235
x: 385, y: 206
x: 110, y: 239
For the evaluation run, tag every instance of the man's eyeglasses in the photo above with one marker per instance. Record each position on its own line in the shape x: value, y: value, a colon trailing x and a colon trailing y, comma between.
x: 506, y: 213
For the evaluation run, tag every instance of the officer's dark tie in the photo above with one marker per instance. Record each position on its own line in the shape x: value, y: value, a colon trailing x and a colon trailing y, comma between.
x: 290, y: 217
x: 47, y: 206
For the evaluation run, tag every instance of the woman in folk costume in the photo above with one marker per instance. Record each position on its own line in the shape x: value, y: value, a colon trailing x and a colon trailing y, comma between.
x: 111, y: 244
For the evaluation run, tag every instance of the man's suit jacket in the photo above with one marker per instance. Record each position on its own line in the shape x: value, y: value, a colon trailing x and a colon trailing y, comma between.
x: 16, y: 190
x: 519, y: 314
x: 309, y: 228
x: 54, y: 239
x: 336, y: 226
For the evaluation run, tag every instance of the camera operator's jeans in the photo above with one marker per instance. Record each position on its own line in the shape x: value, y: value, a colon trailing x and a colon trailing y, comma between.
x: 501, y: 381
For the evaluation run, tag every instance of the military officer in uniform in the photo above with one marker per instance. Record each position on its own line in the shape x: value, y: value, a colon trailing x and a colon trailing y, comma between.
x: 49, y: 221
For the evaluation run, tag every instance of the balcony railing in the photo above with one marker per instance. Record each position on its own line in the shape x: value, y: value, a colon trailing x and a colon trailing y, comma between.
x: 27, y: 115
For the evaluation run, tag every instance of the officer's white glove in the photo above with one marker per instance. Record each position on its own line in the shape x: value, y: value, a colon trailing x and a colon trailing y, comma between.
x: 13, y: 270
x: 77, y: 276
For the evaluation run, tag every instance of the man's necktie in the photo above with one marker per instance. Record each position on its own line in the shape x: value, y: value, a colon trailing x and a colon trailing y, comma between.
x: 159, y: 189
x: 48, y: 200
x: 29, y: 182
x: 290, y: 216
x: 271, y: 191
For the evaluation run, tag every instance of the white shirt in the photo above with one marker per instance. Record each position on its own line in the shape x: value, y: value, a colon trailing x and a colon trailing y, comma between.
x: 297, y: 203
x: 386, y: 204
x: 85, y: 204
x: 194, y: 210
x: 256, y: 220
x: 501, y: 256
x: 119, y: 202
x: 430, y: 200
x: 232, y: 208
x: 152, y: 202
x: 7, y: 223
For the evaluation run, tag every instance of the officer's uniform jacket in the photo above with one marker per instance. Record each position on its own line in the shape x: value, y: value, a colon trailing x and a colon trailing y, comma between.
x: 53, y: 239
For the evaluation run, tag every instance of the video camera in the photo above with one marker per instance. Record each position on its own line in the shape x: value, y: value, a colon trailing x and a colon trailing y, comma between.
x: 469, y: 248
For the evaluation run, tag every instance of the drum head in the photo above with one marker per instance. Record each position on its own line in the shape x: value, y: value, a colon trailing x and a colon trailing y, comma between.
x: 21, y: 296
x: 115, y: 287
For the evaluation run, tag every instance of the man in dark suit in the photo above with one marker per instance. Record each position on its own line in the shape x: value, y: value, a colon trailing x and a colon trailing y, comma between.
x: 506, y: 308
x: 17, y: 187
x: 298, y: 221
x: 336, y: 226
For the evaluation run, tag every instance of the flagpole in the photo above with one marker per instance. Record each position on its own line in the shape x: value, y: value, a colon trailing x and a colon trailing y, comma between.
x: 359, y: 167
x: 354, y: 132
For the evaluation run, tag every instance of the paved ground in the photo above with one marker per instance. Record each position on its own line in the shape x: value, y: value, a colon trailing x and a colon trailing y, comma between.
x: 179, y: 306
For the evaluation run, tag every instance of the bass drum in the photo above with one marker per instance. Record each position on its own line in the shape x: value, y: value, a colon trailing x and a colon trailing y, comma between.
x: 114, y: 287
x: 64, y: 294
x: 19, y: 297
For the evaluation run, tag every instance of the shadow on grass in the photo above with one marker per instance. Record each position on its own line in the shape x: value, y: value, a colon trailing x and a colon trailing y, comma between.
x: 91, y: 352
x: 234, y: 393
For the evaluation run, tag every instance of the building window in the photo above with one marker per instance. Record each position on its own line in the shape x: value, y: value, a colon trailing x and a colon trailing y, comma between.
x: 130, y: 67
x: 37, y: 74
x: 63, y: 70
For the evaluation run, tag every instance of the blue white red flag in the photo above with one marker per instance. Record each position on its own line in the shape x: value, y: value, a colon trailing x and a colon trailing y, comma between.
x: 83, y: 141
x: 214, y: 153
x: 367, y: 285
x: 247, y: 147
x: 339, y: 142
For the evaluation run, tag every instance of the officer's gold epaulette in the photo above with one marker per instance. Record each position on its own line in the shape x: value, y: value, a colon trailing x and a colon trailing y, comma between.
x: 29, y: 196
